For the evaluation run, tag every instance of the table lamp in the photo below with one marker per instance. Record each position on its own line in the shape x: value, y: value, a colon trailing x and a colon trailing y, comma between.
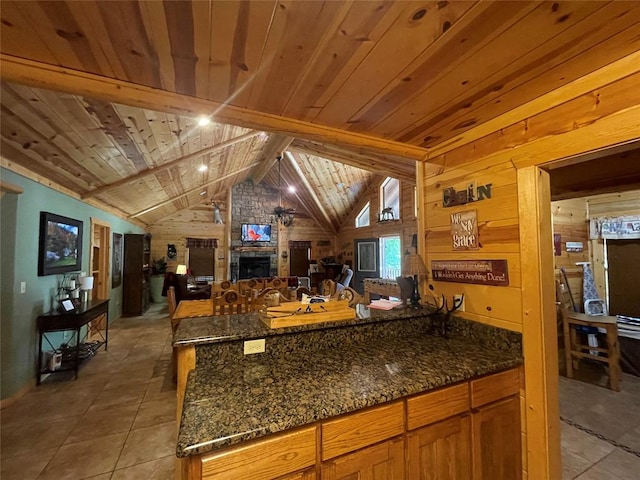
x: 86, y: 284
x: 181, y: 270
x: 414, y: 266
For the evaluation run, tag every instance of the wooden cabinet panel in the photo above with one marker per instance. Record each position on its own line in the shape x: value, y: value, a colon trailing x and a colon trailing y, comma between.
x: 309, y: 474
x: 384, y: 461
x: 264, y: 460
x: 361, y: 429
x: 496, y: 441
x: 494, y: 387
x: 435, y: 406
x: 441, y: 451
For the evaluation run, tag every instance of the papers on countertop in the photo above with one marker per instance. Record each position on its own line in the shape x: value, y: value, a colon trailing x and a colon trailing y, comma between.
x: 384, y: 304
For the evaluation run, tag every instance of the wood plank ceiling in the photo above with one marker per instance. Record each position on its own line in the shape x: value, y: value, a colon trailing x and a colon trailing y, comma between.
x: 382, y: 73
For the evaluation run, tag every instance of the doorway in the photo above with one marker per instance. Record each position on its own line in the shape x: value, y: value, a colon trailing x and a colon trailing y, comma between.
x: 99, y: 258
x: 623, y: 259
x: 299, y: 262
x: 366, y: 255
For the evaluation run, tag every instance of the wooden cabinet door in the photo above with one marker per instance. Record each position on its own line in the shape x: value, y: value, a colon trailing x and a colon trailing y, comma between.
x: 496, y: 441
x: 304, y: 475
x: 441, y: 451
x: 384, y: 461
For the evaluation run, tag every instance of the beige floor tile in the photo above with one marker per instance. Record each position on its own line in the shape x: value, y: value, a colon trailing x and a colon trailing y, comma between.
x: 36, y: 436
x: 100, y: 422
x: 140, y: 375
x: 584, y: 445
x: 154, y: 413
x: 149, y: 443
x: 25, y: 466
x: 573, y: 465
x: 161, y: 388
x: 161, y: 469
x: 85, y: 459
x: 123, y: 394
x: 618, y: 465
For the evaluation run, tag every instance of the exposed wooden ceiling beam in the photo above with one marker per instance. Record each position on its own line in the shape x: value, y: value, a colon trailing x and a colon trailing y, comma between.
x: 401, y: 168
x: 152, y: 171
x: 42, y: 75
x: 310, y: 190
x: 268, y: 158
x: 193, y: 190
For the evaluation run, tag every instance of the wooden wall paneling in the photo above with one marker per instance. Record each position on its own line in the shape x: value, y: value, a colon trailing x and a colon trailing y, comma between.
x: 495, y: 92
x: 233, y: 57
x: 20, y: 36
x: 294, y: 34
x: 369, y: 78
x: 481, y: 27
x: 341, y: 52
x: 624, y: 203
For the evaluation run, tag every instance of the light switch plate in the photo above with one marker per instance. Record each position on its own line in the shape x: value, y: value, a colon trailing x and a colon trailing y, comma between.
x: 254, y: 346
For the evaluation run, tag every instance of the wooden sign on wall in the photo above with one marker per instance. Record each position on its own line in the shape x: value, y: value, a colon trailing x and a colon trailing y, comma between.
x: 464, y: 230
x: 481, y: 272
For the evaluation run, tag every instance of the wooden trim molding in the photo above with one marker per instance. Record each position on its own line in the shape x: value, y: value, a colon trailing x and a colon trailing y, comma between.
x: 52, y: 77
x: 10, y: 188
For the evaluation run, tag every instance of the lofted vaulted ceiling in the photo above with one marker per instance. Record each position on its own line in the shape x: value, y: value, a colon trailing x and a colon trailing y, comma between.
x: 350, y: 90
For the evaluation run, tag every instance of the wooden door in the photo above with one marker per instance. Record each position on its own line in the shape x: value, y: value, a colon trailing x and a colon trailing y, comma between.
x: 623, y: 257
x: 299, y: 262
x: 496, y: 441
x: 384, y: 461
x: 441, y: 451
x: 366, y: 262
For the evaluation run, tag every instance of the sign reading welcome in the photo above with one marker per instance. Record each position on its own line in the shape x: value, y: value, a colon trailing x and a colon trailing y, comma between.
x: 480, y: 272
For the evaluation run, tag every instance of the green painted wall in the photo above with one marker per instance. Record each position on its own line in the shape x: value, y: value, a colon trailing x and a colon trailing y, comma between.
x: 19, y: 232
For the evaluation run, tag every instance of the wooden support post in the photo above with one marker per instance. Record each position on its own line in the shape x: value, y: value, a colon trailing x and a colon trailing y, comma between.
x: 539, y: 330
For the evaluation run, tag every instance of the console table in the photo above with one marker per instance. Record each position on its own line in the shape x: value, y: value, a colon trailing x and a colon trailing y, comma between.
x: 57, y: 321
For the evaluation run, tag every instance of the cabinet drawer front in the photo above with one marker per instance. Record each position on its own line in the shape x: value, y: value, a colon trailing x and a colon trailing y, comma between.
x: 435, y: 406
x: 357, y: 430
x: 265, y: 459
x: 494, y: 387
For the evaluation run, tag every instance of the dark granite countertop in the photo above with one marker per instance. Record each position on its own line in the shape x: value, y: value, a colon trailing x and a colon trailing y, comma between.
x: 224, y: 328
x: 260, y: 394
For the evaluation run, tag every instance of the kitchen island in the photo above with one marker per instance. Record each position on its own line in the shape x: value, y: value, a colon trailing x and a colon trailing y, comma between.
x: 290, y: 405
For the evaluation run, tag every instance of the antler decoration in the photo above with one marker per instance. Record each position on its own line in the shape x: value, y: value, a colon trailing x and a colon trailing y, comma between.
x: 443, y: 312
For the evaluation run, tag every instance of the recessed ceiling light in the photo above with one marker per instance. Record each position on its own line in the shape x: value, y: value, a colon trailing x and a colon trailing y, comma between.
x: 204, y: 121
x: 202, y: 168
x: 292, y: 189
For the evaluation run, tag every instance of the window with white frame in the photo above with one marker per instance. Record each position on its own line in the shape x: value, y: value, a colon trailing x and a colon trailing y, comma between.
x: 362, y: 220
x: 390, y: 196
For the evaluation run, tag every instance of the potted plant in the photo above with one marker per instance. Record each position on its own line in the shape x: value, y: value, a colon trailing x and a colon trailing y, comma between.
x: 158, y: 269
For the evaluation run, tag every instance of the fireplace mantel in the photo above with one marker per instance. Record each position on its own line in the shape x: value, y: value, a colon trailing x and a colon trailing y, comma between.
x: 254, y: 249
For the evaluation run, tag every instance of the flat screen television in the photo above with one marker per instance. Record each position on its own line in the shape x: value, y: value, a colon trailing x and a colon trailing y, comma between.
x: 60, y: 244
x: 253, y: 232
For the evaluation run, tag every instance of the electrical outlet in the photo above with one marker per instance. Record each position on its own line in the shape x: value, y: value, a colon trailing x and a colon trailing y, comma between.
x: 254, y: 346
x: 458, y: 299
x: 23, y: 287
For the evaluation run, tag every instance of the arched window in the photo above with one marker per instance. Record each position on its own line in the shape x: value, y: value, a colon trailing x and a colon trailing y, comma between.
x: 390, y: 196
x: 362, y: 220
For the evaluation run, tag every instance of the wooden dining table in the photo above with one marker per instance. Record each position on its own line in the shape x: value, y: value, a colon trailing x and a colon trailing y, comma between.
x: 193, y: 308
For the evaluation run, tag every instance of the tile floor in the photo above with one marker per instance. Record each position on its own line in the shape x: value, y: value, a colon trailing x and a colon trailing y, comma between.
x: 117, y: 420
